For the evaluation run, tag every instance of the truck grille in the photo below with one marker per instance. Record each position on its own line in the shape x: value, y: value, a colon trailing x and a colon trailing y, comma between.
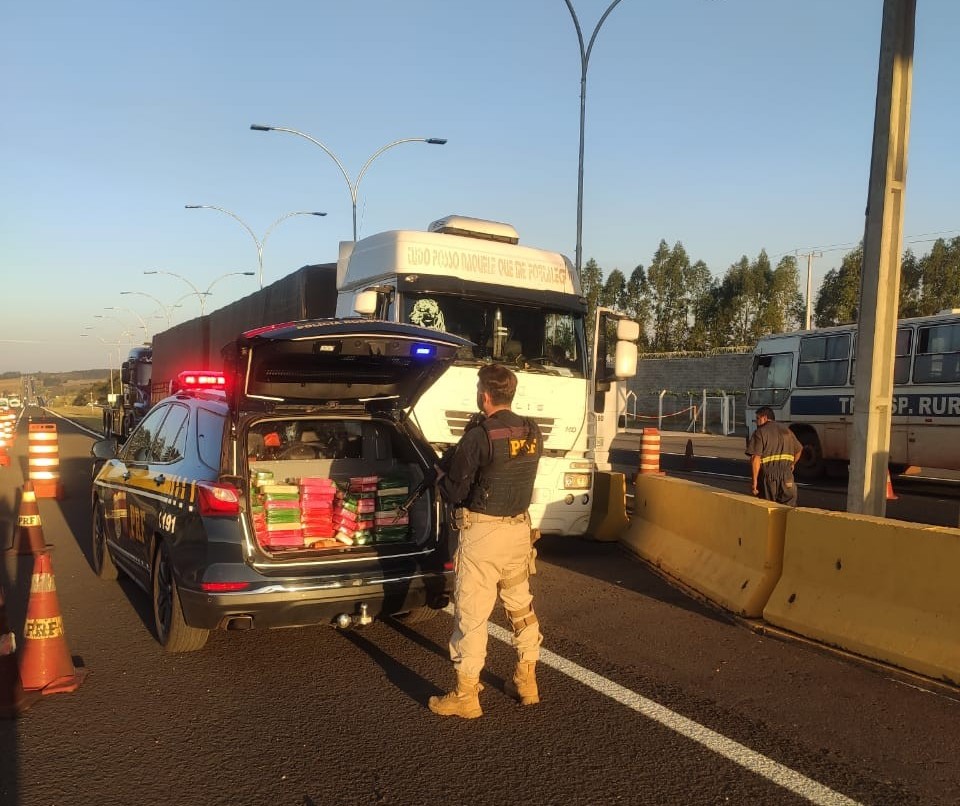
x: 456, y: 420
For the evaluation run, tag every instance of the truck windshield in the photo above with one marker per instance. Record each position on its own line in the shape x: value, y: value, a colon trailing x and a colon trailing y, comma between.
x: 529, y: 338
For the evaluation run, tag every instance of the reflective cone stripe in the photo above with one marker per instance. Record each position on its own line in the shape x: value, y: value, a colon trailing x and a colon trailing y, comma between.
x: 29, y: 538
x: 650, y: 451
x: 43, y: 459
x: 45, y: 663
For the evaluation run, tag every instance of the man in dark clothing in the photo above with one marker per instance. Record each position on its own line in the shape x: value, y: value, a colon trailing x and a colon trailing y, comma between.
x: 489, y: 480
x: 774, y: 452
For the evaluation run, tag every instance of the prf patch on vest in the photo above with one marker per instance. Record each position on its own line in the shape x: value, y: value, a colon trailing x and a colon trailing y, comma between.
x: 523, y: 447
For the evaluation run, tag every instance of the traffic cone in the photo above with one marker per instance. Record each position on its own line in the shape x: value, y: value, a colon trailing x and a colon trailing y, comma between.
x: 13, y: 699
x: 891, y: 495
x: 45, y: 662
x: 29, y: 539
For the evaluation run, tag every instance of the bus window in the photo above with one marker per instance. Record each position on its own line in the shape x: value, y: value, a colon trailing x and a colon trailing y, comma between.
x: 901, y: 364
x: 770, y: 383
x: 824, y: 360
x: 938, y: 354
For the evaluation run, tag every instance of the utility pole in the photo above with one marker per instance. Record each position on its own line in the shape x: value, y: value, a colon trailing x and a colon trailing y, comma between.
x: 880, y: 278
x: 809, y: 256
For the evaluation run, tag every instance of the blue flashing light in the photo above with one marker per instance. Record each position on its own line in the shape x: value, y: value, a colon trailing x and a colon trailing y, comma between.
x: 424, y: 350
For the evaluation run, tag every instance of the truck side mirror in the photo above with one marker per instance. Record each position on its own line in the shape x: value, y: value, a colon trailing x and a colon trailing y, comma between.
x: 625, y: 359
x: 365, y: 303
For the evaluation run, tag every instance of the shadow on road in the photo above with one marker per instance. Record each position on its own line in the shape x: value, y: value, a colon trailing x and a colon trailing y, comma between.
x: 613, y: 564
x: 404, y: 678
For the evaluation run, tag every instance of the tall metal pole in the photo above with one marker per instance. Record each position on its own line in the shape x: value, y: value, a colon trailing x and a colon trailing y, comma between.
x: 196, y: 291
x: 808, y: 318
x: 167, y: 310
x: 880, y: 277
x: 259, y: 243
x: 140, y: 319
x: 351, y: 186
x: 584, y: 64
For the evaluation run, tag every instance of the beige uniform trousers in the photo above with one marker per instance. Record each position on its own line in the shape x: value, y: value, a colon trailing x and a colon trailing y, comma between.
x: 491, y: 551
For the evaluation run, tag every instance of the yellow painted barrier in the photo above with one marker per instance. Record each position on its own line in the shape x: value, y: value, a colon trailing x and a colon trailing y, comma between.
x: 881, y: 588
x: 727, y: 547
x: 608, y: 518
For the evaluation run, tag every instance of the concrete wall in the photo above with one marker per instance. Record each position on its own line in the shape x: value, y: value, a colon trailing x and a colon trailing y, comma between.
x: 683, y: 375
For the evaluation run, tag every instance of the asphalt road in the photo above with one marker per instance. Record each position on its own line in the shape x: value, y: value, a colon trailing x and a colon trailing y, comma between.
x: 648, y: 698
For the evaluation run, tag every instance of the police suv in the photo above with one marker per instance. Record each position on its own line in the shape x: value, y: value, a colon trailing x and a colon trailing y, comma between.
x: 291, y: 489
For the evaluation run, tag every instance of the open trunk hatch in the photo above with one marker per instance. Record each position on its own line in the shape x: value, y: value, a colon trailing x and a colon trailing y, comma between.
x: 342, y: 362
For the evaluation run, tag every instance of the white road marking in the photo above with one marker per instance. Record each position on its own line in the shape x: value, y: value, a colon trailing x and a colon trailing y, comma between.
x: 739, y: 754
x: 75, y: 423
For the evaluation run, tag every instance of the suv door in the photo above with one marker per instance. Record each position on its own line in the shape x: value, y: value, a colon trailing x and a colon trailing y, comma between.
x: 131, y: 472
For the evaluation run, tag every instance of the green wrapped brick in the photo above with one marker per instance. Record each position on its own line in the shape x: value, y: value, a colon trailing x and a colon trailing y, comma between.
x: 392, y: 534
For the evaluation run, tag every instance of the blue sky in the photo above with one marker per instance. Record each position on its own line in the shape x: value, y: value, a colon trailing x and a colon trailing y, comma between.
x: 729, y: 125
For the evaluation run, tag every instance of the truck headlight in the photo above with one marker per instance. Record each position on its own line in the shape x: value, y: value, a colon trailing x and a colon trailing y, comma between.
x: 576, y: 481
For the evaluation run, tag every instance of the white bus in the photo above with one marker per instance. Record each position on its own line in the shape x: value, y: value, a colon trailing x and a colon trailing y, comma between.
x: 519, y: 306
x: 807, y: 378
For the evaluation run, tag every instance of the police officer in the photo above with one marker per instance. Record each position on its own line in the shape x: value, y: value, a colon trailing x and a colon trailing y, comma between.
x: 774, y: 450
x: 489, y: 480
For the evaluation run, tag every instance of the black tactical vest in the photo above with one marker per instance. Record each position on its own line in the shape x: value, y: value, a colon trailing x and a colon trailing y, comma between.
x: 505, y: 486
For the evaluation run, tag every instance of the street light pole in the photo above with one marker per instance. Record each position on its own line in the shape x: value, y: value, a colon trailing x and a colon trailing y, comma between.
x: 201, y: 295
x: 143, y: 324
x: 121, y: 322
x: 167, y: 309
x: 196, y: 291
x: 229, y: 274
x: 259, y: 243
x: 584, y: 64
x: 352, y: 186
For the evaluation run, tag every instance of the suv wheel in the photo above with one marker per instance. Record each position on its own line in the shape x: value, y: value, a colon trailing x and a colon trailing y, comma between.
x: 102, y: 563
x: 174, y: 634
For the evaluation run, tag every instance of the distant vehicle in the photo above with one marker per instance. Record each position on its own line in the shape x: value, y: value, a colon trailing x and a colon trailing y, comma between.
x: 15, y: 402
x: 807, y: 379
x: 4, y: 403
x: 123, y: 411
x: 290, y: 490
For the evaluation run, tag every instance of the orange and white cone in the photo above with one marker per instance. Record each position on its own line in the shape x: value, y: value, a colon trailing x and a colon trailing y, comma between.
x: 45, y: 662
x: 891, y: 495
x: 13, y: 699
x: 29, y: 539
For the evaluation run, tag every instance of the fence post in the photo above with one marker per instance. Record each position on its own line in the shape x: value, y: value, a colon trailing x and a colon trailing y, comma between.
x: 660, y: 410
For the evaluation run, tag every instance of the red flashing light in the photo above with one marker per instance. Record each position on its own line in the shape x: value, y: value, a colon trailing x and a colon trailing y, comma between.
x: 201, y: 379
x: 448, y: 566
x: 223, y: 587
x: 216, y: 500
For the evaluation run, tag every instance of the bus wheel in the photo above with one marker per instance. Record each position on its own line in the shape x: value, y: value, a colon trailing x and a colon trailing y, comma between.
x: 811, y: 465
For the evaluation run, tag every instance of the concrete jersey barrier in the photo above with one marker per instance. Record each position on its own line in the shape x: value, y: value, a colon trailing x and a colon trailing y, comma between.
x: 880, y: 588
x: 727, y: 547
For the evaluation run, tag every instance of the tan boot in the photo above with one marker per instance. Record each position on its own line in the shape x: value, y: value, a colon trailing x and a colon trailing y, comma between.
x: 523, y: 687
x: 463, y: 701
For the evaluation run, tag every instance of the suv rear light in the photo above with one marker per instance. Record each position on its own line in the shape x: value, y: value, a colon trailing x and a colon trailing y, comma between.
x: 218, y: 499
x: 223, y: 587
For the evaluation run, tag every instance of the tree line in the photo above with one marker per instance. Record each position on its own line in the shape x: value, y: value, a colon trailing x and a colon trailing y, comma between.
x: 681, y: 305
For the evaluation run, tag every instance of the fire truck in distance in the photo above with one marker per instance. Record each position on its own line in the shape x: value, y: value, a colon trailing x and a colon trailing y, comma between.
x: 125, y: 410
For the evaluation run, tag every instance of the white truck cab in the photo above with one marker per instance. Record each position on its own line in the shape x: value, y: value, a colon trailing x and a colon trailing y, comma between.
x: 519, y: 306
